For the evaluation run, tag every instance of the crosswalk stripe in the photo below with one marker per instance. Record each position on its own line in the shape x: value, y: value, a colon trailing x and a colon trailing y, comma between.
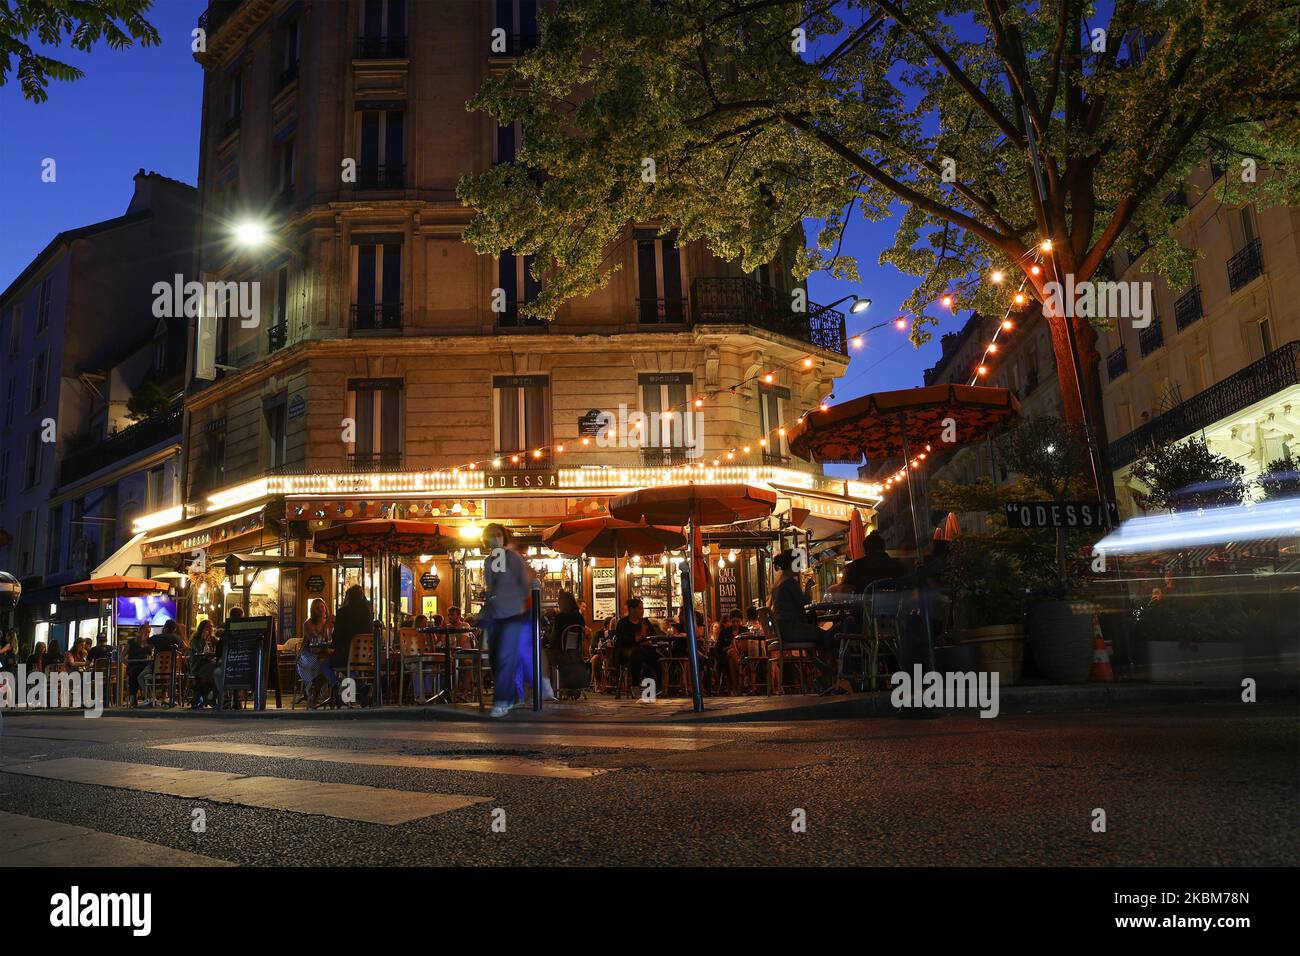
x: 441, y: 735
x: 343, y: 801
x: 31, y: 841
x: 518, y: 766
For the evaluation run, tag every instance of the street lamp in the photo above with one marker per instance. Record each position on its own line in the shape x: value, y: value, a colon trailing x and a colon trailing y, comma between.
x: 251, y: 234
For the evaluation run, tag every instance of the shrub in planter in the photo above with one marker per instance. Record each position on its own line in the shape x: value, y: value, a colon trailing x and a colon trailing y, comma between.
x: 1188, y: 639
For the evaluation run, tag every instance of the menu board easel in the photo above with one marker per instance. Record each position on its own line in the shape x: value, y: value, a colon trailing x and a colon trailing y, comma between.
x: 246, y: 657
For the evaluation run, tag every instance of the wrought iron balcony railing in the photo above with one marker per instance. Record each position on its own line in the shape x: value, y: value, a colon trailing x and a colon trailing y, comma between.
x: 512, y: 319
x: 377, y: 317
x: 1152, y: 337
x: 386, y: 176
x: 1116, y: 363
x: 276, y: 336
x: 372, y: 461
x: 1188, y: 308
x: 775, y: 458
x: 217, y: 13
x: 727, y: 300
x: 122, y: 445
x: 1278, y: 370
x: 669, y: 311
x: 381, y: 48
x: 657, y: 457
x: 1245, y: 265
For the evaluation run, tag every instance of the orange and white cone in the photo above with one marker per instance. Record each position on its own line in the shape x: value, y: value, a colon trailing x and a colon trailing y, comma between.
x: 1101, y: 669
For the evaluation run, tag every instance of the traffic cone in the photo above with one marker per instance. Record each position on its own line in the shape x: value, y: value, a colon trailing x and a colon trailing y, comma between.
x: 1101, y: 669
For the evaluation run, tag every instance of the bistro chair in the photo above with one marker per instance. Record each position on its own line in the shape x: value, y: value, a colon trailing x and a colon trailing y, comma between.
x: 754, y: 666
x: 166, y: 680
x: 570, y: 653
x: 473, y: 660
x: 795, y: 654
x: 417, y: 656
x: 361, y: 659
x: 112, y: 680
x: 881, y: 608
x: 676, y: 674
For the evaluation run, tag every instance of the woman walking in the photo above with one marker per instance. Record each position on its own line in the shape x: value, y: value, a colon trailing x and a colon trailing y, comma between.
x: 508, y: 581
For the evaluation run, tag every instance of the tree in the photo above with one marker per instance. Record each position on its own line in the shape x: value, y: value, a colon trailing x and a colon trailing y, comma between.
x: 734, y: 120
x: 146, y: 401
x: 84, y: 22
x: 1051, y: 455
x: 1186, y: 476
x: 1281, y: 480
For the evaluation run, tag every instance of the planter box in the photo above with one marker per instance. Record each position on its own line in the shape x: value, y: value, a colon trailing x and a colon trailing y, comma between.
x: 1060, y: 638
x: 1169, y: 662
x: 1000, y: 647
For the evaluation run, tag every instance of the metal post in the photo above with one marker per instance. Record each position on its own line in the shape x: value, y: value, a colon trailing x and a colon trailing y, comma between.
x: 688, y: 605
x: 537, y: 644
x: 916, y: 534
x: 259, y: 678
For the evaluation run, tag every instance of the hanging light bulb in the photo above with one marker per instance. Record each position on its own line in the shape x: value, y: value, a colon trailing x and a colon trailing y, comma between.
x: 769, y: 378
x: 1034, y: 270
x: 1045, y: 245
x: 807, y: 363
x: 946, y: 302
x: 856, y: 341
x: 1020, y: 298
x: 1006, y: 325
x: 996, y: 277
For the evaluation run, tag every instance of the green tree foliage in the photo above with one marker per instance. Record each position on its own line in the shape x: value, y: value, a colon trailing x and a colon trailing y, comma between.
x: 147, y: 400
x: 1186, y: 476
x: 1051, y: 455
x: 83, y: 22
x: 1281, y: 480
x: 749, y: 135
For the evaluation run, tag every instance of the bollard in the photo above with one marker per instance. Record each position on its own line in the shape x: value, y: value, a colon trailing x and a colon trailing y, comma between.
x: 688, y: 602
x: 536, y: 610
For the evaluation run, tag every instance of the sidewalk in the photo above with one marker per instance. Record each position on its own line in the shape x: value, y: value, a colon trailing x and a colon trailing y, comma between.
x: 1023, y: 699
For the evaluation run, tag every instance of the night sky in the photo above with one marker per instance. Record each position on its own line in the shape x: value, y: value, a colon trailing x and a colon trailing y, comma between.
x: 141, y: 108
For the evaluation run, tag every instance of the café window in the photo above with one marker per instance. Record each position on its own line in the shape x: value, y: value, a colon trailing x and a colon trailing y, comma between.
x: 773, y: 402
x: 375, y: 408
x: 382, y: 154
x: 659, y: 278
x: 522, y: 413
x: 666, y: 402
x: 377, y: 285
x: 276, y: 430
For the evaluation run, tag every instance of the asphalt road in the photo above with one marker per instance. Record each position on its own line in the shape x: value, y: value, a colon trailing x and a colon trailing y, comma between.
x: 1202, y: 785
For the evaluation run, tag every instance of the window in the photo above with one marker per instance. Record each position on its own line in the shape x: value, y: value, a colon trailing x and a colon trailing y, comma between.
x: 15, y: 329
x: 278, y: 332
x: 214, y: 458
x: 4, y: 474
x: 43, y: 305
x: 515, y: 276
x: 160, y: 345
x: 377, y: 285
x: 234, y: 102
x: 659, y: 278
x: 156, y: 492
x: 284, y: 156
x: 670, y: 436
x: 1200, y: 373
x: 518, y: 18
x: 375, y: 406
x: 1247, y: 226
x: 54, y: 541
x: 35, y: 449
x: 40, y: 372
x: 11, y: 401
x: 383, y: 30
x: 522, y: 404
x: 382, y: 154
x: 1265, y: 336
x: 277, y: 430
x: 288, y: 53
x: 27, y: 543
x: 772, y: 402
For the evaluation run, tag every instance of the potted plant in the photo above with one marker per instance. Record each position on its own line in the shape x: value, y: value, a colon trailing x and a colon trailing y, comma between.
x: 988, y: 610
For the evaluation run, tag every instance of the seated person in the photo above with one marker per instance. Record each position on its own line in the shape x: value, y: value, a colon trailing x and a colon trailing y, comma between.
x: 726, y: 654
x: 75, y: 659
x: 139, y: 667
x: 875, y: 564
x: 633, y: 648
x: 789, y: 609
x: 36, y: 659
x: 203, y: 664
x: 314, y: 658
x: 102, y: 651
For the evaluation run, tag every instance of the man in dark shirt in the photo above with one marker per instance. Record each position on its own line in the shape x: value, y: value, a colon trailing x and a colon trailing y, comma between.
x: 632, y: 647
x: 101, y: 651
x: 875, y: 564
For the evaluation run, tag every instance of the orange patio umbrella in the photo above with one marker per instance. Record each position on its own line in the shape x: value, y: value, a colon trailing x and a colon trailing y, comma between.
x: 117, y: 585
x: 697, y: 506
x: 606, y: 537
x: 857, y: 549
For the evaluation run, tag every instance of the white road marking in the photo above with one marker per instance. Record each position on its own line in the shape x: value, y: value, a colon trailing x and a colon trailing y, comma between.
x: 31, y: 841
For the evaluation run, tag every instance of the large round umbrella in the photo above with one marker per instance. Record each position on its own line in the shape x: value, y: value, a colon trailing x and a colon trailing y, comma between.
x: 886, y: 424
x: 696, y: 506
x: 111, y: 588
x: 857, y: 544
x: 380, y: 540
x: 606, y: 537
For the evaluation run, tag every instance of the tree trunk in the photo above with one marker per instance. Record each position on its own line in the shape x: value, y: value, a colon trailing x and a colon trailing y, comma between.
x: 1090, y: 370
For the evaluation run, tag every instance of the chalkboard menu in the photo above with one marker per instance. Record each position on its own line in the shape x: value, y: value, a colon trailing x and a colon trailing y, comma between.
x: 245, y: 638
x: 728, y: 589
x: 315, y: 584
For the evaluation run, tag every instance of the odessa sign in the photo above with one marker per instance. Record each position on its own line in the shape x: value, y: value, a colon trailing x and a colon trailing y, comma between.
x: 1059, y: 514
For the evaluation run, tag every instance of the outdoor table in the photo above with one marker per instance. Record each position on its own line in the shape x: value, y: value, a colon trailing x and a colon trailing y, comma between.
x: 446, y: 630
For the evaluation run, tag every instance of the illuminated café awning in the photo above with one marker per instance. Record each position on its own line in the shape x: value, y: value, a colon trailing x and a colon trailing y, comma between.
x: 206, y: 533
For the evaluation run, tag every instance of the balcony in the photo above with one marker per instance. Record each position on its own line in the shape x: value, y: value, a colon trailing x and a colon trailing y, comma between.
x: 276, y: 336
x: 1116, y: 363
x: 737, y: 300
x: 122, y: 445
x: 1245, y: 266
x: 381, y: 48
x: 1188, y: 308
x: 517, y: 44
x: 512, y: 321
x: 775, y: 458
x: 377, y: 317
x: 217, y: 13
x: 366, y: 462
x: 387, y: 176
x: 658, y: 457
x: 670, y: 311
x: 1152, y: 337
x: 1256, y: 382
